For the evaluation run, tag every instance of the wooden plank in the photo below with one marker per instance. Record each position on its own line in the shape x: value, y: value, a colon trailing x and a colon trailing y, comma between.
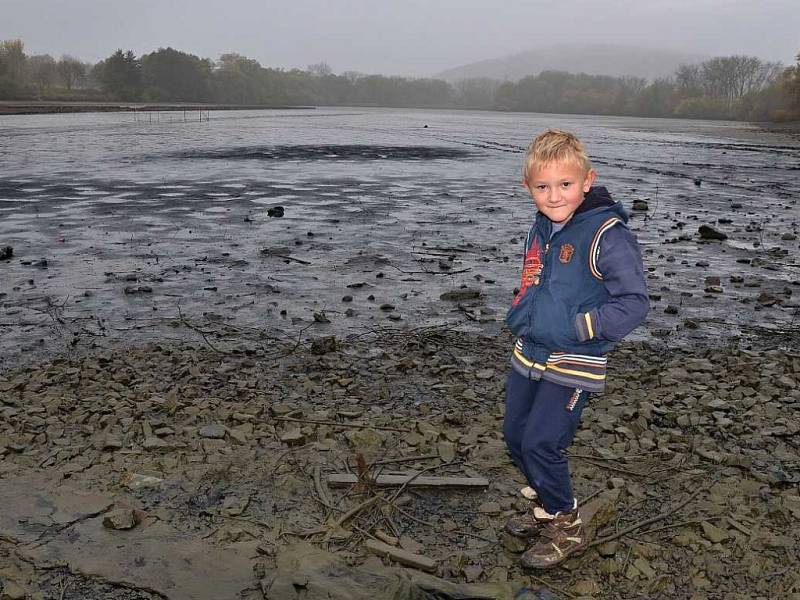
x: 399, y: 555
x: 342, y: 479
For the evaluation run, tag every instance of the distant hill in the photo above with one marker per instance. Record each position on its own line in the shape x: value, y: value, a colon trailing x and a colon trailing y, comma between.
x: 594, y: 59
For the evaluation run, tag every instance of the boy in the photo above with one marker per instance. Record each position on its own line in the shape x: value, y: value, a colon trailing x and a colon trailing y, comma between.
x: 582, y: 290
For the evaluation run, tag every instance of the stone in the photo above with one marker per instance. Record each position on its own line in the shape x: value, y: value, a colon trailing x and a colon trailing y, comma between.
x: 640, y: 205
x: 292, y: 436
x: 324, y: 345
x: 13, y: 591
x: 643, y: 566
x: 446, y: 450
x: 120, y: 519
x: 587, y: 587
x: 489, y: 508
x: 714, y: 534
x: 460, y: 295
x: 410, y: 545
x: 472, y: 572
x: 598, y: 512
x: 709, y: 233
x: 513, y: 543
x: 608, y: 549
x: 365, y: 438
x: 154, y: 443
x: 214, y: 431
x: 134, y: 481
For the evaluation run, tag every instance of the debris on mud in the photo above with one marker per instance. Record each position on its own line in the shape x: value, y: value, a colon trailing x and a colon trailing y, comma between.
x: 688, y: 462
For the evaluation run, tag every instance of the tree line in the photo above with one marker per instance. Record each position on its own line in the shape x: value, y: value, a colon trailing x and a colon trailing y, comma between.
x: 733, y: 87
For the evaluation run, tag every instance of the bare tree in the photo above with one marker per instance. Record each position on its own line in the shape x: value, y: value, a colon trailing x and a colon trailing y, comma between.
x: 476, y: 93
x: 71, y: 71
x: 732, y: 77
x: 320, y: 69
x: 12, y: 53
x: 689, y: 80
x: 43, y: 71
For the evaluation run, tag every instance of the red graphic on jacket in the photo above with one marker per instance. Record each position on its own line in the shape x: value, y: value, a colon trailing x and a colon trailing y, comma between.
x: 531, y: 270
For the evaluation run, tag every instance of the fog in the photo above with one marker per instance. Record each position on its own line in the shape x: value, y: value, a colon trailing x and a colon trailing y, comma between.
x: 408, y: 37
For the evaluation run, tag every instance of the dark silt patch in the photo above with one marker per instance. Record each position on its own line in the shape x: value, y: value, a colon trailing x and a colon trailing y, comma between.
x: 360, y: 152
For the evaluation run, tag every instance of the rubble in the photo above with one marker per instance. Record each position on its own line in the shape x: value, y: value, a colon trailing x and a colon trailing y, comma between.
x: 685, y: 463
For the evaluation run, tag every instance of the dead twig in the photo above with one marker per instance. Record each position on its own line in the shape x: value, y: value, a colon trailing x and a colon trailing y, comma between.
x: 431, y: 272
x: 402, y: 459
x: 551, y: 586
x: 336, y: 424
x: 64, y: 587
x: 202, y: 333
x: 650, y: 521
x: 613, y: 468
x: 321, y: 489
x: 354, y: 511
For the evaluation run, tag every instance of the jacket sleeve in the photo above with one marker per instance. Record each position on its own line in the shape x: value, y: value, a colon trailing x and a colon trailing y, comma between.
x: 620, y: 264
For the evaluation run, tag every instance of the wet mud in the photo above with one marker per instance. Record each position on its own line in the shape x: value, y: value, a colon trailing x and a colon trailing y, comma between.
x: 333, y: 152
x: 118, y: 228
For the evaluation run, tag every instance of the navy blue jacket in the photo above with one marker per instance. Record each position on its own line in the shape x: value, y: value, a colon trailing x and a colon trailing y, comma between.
x: 584, y: 289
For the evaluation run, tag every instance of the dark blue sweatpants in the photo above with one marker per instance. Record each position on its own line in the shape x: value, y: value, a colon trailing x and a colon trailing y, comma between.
x: 540, y: 423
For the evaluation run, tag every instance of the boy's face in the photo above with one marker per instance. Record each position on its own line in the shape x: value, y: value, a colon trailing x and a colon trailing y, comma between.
x: 558, y: 187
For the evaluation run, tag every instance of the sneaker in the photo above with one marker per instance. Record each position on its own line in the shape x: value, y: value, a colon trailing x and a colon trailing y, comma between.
x: 561, y: 538
x: 529, y: 493
x: 528, y: 524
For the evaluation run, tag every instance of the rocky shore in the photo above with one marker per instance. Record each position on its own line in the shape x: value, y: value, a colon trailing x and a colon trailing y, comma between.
x: 226, y: 448
x: 44, y: 107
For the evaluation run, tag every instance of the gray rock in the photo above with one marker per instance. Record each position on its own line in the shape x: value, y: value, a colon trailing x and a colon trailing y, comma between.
x: 292, y: 436
x: 13, y: 591
x: 214, y: 431
x: 323, y: 345
x: 461, y: 295
x: 709, y: 233
x: 120, y: 519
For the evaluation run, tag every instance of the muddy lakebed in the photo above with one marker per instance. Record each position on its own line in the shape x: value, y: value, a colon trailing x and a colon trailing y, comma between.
x: 118, y: 227
x: 201, y: 321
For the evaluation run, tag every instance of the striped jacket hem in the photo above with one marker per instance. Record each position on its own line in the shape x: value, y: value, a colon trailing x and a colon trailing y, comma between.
x: 570, y: 370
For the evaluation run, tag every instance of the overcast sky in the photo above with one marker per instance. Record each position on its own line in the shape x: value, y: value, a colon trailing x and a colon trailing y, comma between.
x: 409, y: 37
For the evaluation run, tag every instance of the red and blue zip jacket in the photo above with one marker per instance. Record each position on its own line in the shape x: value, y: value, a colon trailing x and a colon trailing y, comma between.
x: 582, y: 290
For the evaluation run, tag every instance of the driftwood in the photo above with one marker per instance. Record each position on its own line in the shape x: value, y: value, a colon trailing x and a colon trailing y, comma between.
x: 411, y: 479
x: 408, y: 559
x: 337, y: 424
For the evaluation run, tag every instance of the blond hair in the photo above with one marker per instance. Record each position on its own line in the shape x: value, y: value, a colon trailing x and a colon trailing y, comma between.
x: 555, y: 145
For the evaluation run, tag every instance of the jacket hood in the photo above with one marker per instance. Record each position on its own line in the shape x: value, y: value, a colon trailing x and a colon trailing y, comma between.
x: 598, y: 199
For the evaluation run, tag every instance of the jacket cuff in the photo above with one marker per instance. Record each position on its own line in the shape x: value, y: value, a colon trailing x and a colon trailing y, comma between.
x: 586, y: 326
